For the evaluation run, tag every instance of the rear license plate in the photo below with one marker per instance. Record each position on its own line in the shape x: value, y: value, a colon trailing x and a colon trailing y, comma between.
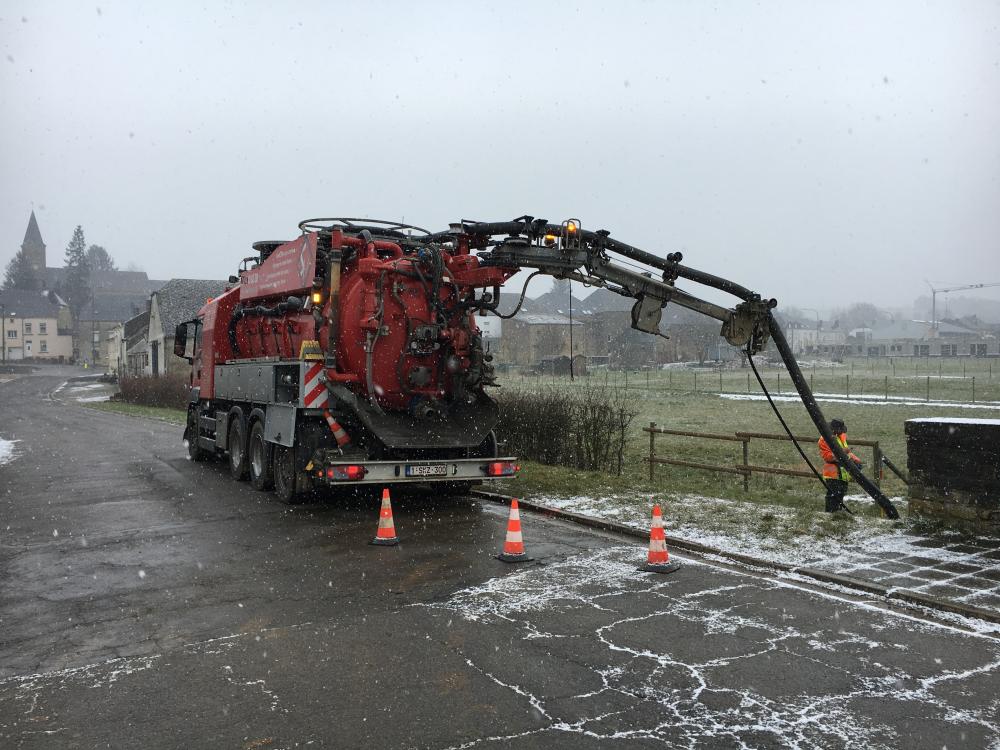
x: 436, y: 470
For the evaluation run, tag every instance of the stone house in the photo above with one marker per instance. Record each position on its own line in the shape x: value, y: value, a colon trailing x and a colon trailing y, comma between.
x: 175, y: 302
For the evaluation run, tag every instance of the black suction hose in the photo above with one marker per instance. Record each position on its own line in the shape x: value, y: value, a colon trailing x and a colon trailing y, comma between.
x: 778, y: 336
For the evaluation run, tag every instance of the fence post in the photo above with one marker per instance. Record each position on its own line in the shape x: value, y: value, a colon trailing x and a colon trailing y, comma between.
x: 647, y: 380
x: 877, y: 463
x: 696, y: 381
x: 748, y: 382
x: 652, y: 449
x: 811, y: 379
x: 848, y: 387
x: 670, y: 379
x: 886, y: 387
x: 973, y: 389
x: 626, y: 378
x: 746, y: 462
x: 928, y: 387
x: 720, y: 380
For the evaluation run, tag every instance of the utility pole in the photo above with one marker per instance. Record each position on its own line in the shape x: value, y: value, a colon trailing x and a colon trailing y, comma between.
x: 3, y: 332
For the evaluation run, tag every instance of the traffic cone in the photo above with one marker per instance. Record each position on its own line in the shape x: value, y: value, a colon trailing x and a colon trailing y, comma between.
x: 513, y: 546
x: 386, y: 534
x: 658, y: 559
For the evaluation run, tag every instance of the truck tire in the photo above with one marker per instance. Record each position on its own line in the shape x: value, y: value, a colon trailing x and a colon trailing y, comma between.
x: 261, y: 470
x: 239, y: 462
x: 195, y: 451
x: 286, y: 484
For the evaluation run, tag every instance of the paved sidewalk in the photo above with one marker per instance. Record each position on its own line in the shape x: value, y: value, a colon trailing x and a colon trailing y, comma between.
x: 967, y: 572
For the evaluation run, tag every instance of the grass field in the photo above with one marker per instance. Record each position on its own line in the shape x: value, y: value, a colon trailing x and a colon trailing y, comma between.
x: 965, y: 380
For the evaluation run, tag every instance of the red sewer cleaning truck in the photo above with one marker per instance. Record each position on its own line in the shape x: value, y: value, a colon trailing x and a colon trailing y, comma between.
x: 350, y: 354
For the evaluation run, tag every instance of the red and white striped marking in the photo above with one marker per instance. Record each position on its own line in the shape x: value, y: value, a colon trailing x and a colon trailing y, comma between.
x: 658, y: 554
x: 338, y: 432
x: 513, y: 546
x: 315, y: 396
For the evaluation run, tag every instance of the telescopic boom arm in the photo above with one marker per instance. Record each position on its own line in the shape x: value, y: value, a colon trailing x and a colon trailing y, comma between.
x: 566, y: 250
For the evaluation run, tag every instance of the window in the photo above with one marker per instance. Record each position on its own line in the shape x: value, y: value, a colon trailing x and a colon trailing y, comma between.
x: 27, y: 327
x: 978, y: 350
x: 43, y: 345
x: 12, y: 334
x: 43, y: 327
x: 97, y: 337
x: 921, y: 350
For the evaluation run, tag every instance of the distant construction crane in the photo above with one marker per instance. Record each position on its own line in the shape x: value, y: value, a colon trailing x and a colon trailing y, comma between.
x: 945, y: 290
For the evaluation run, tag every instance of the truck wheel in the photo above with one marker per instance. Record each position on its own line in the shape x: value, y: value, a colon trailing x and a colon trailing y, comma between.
x: 261, y: 472
x: 285, y: 475
x: 238, y: 460
x: 195, y: 451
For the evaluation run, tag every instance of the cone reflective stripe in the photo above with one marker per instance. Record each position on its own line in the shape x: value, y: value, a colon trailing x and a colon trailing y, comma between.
x: 338, y: 432
x: 386, y: 534
x: 513, y: 546
x: 658, y: 559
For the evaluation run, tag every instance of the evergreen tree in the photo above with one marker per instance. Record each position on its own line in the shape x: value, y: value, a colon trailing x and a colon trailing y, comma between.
x: 19, y: 274
x: 99, y: 259
x: 76, y: 284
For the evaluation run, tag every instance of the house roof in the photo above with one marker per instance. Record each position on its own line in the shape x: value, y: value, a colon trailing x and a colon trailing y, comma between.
x: 917, y: 329
x: 30, y: 303
x: 117, y: 308
x: 180, y: 299
x: 137, y: 327
x: 123, y: 281
x: 32, y: 235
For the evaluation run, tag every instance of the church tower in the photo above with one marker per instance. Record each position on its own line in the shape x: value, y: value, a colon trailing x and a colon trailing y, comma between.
x: 34, y: 250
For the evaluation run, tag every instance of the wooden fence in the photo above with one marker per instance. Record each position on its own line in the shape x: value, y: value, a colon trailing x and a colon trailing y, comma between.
x: 746, y: 469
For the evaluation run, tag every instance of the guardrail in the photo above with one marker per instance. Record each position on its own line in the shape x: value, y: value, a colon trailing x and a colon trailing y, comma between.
x: 746, y: 469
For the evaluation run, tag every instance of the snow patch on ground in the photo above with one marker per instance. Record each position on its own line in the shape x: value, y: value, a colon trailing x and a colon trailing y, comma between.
x: 90, y: 387
x: 850, y: 552
x: 6, y: 451
x: 91, y: 399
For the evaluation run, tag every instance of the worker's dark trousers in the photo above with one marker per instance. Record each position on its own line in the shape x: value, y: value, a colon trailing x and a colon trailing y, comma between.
x: 835, y: 489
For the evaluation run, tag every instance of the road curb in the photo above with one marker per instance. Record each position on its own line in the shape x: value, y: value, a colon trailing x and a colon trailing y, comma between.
x: 824, y: 576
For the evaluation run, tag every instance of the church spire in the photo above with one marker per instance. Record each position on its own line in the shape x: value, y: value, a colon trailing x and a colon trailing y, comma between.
x: 33, y: 250
x: 32, y: 237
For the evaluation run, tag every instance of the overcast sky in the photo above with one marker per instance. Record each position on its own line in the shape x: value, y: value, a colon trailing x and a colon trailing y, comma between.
x: 819, y: 153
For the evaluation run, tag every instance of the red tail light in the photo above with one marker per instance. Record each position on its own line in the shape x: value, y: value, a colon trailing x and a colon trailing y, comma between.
x: 502, y: 469
x: 352, y: 472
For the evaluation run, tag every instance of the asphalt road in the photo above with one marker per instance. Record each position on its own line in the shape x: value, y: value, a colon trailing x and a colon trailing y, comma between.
x: 150, y: 602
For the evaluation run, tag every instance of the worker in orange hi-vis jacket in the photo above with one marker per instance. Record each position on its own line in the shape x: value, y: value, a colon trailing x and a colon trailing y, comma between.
x: 834, y: 475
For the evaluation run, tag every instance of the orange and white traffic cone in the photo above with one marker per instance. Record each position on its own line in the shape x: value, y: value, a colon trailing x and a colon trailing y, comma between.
x: 513, y: 546
x: 658, y: 559
x: 386, y: 534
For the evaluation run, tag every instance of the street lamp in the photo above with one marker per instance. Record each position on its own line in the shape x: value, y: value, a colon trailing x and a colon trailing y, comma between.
x: 3, y: 332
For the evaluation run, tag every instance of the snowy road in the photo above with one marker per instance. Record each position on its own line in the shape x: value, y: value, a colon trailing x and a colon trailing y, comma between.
x: 146, y: 601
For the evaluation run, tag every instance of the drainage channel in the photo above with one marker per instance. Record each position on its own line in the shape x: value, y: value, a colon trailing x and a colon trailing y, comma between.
x: 889, y: 594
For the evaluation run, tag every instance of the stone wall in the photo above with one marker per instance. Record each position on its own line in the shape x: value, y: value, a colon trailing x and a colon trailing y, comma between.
x: 954, y: 467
